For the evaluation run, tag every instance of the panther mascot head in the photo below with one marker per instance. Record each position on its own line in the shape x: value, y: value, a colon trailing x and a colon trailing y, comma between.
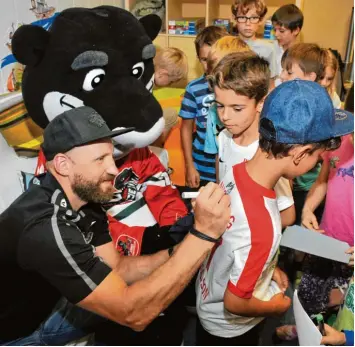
x: 100, y: 57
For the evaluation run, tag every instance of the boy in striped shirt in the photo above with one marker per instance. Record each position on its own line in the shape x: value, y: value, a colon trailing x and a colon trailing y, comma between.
x: 200, y: 166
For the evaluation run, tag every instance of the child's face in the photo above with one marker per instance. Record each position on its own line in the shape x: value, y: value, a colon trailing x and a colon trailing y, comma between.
x: 328, y: 77
x: 161, y: 78
x: 236, y: 112
x: 295, y: 72
x: 248, y: 29
x: 203, y: 55
x: 285, y: 37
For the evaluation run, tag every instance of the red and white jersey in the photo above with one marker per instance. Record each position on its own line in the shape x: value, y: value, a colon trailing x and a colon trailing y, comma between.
x: 144, y: 197
x: 244, y: 260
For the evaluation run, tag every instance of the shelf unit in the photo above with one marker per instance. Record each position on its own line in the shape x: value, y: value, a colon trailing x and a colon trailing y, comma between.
x: 207, y: 9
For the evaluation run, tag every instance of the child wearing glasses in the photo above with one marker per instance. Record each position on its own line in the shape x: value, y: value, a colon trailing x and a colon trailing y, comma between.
x: 248, y: 15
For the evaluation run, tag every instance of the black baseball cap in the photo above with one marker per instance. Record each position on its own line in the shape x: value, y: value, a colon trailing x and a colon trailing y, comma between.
x: 74, y: 128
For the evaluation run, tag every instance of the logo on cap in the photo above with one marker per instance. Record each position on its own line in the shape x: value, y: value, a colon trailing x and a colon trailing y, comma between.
x: 96, y: 119
x: 340, y: 115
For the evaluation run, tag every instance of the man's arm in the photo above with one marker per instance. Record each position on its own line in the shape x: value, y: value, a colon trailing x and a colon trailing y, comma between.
x: 138, y: 304
x: 315, y: 196
x: 254, y: 307
x: 131, y: 269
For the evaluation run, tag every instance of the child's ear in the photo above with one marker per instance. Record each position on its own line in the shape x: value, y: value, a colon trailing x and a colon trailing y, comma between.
x: 300, y: 152
x: 296, y: 31
x: 260, y: 104
x: 312, y: 76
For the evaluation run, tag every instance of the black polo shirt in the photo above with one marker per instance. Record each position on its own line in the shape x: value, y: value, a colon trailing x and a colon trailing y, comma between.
x: 47, y: 250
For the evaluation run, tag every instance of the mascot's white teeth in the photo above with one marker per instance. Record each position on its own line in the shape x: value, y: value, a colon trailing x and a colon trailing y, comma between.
x: 138, y: 139
x: 55, y: 103
x: 150, y: 84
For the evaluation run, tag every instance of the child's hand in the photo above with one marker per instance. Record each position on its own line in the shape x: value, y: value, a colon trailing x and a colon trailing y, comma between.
x: 336, y: 297
x: 309, y: 221
x: 332, y: 337
x: 280, y: 278
x: 281, y: 303
x: 351, y: 260
x: 192, y: 177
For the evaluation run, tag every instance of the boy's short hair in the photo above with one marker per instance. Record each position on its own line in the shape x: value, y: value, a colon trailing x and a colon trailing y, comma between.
x: 208, y: 36
x: 245, y: 73
x: 299, y: 113
x: 243, y: 6
x: 174, y: 61
x: 225, y: 45
x: 288, y: 16
x: 309, y: 57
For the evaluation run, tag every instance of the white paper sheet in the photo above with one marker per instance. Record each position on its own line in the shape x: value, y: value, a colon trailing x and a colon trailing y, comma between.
x: 311, y: 242
x: 308, y: 333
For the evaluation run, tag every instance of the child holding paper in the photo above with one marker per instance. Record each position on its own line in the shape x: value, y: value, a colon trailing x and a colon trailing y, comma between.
x: 319, y: 287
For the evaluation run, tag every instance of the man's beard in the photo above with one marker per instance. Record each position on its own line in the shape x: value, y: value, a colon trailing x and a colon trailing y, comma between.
x: 90, y: 191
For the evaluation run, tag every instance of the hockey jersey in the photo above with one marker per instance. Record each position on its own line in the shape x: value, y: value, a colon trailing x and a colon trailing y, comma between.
x: 144, y: 197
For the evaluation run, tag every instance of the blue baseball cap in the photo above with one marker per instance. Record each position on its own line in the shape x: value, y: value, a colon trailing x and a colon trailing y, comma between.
x: 301, y: 112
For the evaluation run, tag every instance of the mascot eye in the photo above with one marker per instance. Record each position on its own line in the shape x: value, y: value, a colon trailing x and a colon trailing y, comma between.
x: 93, y: 78
x: 138, y: 70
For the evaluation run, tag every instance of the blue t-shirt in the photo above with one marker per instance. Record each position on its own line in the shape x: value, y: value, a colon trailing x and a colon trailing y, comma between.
x: 195, y: 105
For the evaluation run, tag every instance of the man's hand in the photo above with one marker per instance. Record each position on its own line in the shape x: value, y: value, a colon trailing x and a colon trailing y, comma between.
x: 333, y: 337
x: 351, y: 260
x: 192, y: 177
x: 309, y: 221
x: 280, y: 278
x: 212, y: 210
x: 281, y: 303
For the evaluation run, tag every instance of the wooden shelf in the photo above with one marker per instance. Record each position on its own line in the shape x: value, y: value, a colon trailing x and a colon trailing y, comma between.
x: 186, y: 36
x: 207, y: 9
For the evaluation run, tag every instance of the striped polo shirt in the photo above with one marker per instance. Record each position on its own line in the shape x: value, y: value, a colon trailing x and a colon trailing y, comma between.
x: 195, y: 105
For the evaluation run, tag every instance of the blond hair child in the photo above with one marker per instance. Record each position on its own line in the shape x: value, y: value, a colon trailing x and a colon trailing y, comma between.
x: 225, y: 45
x: 170, y: 66
x: 331, y: 67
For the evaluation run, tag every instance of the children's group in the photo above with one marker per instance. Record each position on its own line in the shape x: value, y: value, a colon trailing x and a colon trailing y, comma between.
x: 265, y: 122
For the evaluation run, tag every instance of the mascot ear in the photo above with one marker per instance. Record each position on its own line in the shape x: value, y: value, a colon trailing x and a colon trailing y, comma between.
x: 29, y: 44
x: 152, y: 24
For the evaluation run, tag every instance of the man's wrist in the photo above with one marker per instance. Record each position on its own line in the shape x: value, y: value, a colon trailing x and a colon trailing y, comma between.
x: 204, y: 236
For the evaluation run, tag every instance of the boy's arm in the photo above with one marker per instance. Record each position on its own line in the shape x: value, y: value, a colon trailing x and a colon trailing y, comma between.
x: 254, y: 307
x: 315, y: 197
x: 192, y: 175
x: 288, y: 216
x: 217, y: 168
x: 188, y: 113
x: 250, y: 259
